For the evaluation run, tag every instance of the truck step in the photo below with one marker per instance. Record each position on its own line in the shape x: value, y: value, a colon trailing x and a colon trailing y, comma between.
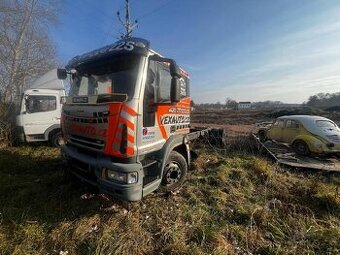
x: 148, y: 162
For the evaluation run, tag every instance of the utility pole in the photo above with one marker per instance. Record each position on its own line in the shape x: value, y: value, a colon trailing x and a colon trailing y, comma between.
x: 127, y: 23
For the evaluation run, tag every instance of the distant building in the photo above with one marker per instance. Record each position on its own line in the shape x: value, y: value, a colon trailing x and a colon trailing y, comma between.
x: 243, y: 105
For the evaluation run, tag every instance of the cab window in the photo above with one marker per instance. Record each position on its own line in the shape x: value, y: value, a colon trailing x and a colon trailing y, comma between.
x: 162, y: 82
x: 41, y: 104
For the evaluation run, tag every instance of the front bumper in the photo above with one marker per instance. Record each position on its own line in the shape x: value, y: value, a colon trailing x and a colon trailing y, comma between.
x: 90, y: 170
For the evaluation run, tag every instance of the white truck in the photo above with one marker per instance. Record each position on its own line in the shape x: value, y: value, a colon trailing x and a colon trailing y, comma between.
x: 40, y: 110
x: 126, y: 120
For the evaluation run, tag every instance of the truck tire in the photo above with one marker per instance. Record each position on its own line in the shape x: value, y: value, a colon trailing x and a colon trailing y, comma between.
x: 56, y: 139
x: 174, y: 173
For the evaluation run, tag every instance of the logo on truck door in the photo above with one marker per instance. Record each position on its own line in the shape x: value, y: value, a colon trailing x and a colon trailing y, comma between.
x: 174, y: 119
x: 148, y: 134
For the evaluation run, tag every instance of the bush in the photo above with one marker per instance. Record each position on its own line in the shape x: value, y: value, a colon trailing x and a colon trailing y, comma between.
x: 7, y: 124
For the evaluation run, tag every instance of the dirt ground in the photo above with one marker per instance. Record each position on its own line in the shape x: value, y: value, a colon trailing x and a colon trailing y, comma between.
x: 235, y: 123
x: 241, y: 122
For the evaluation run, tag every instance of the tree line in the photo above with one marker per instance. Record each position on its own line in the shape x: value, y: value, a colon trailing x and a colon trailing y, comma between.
x: 324, y: 100
x: 233, y: 104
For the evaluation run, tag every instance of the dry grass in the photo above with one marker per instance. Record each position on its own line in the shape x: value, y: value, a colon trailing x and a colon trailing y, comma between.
x: 233, y: 203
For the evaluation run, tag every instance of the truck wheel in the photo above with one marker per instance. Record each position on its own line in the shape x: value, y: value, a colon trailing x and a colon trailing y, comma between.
x: 174, y: 173
x: 56, y: 139
x: 301, y: 148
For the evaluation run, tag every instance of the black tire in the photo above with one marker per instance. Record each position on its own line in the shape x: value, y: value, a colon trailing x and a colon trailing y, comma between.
x: 56, y: 139
x: 174, y: 173
x: 263, y: 136
x: 301, y: 148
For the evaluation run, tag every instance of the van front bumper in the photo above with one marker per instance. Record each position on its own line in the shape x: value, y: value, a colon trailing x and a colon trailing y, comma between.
x: 91, y: 170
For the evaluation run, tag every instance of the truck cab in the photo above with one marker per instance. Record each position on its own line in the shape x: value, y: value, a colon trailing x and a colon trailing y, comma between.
x: 125, y: 120
x: 40, y: 111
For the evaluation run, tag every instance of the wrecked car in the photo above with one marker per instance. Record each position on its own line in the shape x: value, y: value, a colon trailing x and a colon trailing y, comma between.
x: 304, y: 133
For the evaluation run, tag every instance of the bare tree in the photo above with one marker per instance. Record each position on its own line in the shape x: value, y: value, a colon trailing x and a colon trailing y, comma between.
x: 26, y: 50
x: 230, y: 103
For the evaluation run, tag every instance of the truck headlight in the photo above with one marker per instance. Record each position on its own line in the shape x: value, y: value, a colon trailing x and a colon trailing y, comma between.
x: 122, y: 177
x: 132, y: 177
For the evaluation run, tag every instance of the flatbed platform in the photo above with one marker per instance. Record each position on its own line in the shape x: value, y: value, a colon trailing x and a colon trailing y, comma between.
x: 284, y: 155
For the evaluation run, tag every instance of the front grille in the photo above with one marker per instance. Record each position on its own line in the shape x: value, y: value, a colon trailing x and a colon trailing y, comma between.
x: 87, y: 142
x: 83, y: 169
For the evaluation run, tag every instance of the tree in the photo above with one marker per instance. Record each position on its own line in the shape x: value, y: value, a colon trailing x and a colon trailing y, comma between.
x: 26, y: 50
x: 323, y: 100
x: 230, y: 103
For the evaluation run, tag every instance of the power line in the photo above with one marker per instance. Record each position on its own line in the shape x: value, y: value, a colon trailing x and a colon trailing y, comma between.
x: 94, y: 18
x: 153, y: 11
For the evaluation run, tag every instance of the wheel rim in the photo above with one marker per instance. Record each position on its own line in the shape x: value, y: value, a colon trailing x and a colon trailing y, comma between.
x: 58, y: 141
x: 173, y: 173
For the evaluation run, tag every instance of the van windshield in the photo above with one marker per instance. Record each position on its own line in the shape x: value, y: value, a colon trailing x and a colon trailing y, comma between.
x: 117, y: 76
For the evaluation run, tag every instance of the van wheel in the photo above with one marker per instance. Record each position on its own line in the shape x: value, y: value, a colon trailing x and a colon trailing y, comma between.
x: 56, y: 140
x: 301, y: 148
x: 174, y: 173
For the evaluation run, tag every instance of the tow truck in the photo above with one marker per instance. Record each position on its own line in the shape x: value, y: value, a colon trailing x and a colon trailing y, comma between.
x: 126, y: 121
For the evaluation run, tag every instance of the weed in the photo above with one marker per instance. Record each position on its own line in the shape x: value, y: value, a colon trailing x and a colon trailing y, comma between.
x: 233, y: 203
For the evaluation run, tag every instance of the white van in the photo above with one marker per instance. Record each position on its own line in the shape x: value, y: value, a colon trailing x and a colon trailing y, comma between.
x: 40, y: 110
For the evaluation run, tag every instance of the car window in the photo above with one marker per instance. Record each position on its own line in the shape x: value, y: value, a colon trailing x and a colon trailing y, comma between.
x: 292, y: 124
x: 281, y: 123
x: 325, y: 123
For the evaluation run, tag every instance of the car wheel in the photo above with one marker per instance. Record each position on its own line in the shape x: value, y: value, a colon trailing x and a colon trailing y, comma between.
x: 174, y: 172
x: 56, y: 140
x: 262, y: 136
x: 301, y: 148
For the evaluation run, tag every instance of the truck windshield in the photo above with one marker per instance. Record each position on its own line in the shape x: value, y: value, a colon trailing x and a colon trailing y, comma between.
x: 118, y: 76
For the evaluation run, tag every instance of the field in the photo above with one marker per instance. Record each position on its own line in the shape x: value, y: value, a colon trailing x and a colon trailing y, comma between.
x: 234, y: 202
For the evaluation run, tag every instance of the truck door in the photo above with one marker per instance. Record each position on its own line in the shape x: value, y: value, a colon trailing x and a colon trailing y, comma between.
x: 41, y: 111
x: 161, y: 118
x: 150, y: 136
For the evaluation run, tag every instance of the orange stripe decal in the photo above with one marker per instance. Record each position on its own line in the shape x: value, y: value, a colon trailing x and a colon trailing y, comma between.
x: 130, y: 138
x: 130, y: 151
x: 129, y: 110
x: 128, y: 123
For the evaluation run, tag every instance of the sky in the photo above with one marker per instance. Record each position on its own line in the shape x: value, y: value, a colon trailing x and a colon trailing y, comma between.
x: 247, y: 50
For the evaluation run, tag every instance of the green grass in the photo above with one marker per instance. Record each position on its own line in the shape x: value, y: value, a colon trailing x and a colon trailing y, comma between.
x: 231, y: 204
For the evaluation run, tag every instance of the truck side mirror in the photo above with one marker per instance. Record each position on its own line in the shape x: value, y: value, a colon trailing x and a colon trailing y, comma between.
x: 61, y: 73
x: 175, y: 71
x: 62, y: 99
x: 175, y: 89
